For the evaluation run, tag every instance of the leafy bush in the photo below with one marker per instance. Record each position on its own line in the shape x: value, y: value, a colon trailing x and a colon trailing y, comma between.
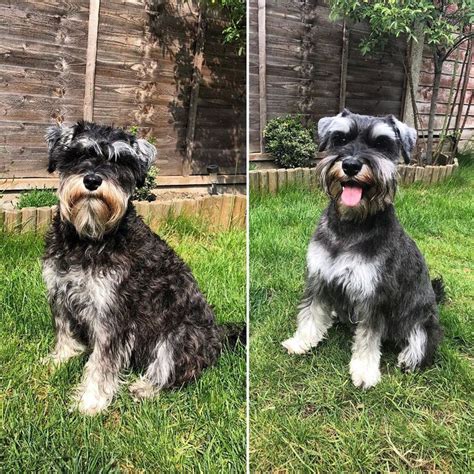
x: 289, y: 141
x: 144, y: 193
x: 37, y: 198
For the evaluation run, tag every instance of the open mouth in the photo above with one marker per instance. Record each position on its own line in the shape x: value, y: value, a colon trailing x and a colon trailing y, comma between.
x: 351, y: 193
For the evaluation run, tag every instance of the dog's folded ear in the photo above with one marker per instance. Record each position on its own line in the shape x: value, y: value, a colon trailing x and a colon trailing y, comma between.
x: 57, y: 135
x: 146, y: 153
x: 323, y: 132
x: 407, y: 137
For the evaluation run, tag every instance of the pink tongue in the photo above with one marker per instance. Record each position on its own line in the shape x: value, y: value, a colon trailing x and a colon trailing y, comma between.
x: 351, y: 195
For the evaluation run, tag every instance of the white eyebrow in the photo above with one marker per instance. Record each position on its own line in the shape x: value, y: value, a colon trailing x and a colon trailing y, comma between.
x: 118, y: 147
x: 382, y: 128
x: 340, y: 124
x: 88, y: 142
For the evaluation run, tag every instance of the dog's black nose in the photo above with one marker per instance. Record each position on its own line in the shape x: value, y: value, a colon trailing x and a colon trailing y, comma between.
x: 92, y: 181
x: 351, y: 166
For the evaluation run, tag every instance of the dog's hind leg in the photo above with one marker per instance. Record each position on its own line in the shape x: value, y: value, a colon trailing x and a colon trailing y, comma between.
x: 365, y: 361
x: 421, y: 346
x: 158, y: 374
x: 313, y: 322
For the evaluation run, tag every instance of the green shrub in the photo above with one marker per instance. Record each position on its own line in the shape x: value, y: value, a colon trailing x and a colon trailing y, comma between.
x: 37, y: 198
x: 144, y: 193
x: 289, y: 141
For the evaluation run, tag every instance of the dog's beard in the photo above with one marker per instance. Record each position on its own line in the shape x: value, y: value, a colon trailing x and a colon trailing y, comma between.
x: 363, y: 195
x: 93, y: 214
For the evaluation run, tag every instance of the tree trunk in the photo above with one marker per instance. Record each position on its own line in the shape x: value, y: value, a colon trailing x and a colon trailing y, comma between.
x: 438, y: 66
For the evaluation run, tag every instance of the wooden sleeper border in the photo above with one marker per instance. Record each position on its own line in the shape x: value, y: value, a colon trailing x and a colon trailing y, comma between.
x: 220, y: 213
x: 274, y: 179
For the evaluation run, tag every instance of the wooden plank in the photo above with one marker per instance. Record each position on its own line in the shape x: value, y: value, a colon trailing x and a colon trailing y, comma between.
x: 272, y: 181
x: 282, y: 179
x: 210, y: 211
x: 94, y: 6
x: 227, y: 208
x: 12, y: 220
x: 239, y: 213
x: 263, y: 181
x: 306, y: 177
x: 158, y: 212
x: 43, y: 218
x: 194, y: 95
x: 262, y: 69
x: 20, y: 184
x: 419, y: 171
x: 190, y: 208
x: 344, y: 61
x: 28, y: 219
x: 143, y: 210
x: 427, y: 174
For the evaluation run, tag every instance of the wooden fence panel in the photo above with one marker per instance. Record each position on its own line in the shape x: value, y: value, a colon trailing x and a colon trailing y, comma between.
x: 144, y: 65
x: 307, y: 70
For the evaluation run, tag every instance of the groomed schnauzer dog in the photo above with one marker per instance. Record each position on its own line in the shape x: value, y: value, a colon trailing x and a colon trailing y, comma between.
x: 115, y: 288
x: 362, y: 268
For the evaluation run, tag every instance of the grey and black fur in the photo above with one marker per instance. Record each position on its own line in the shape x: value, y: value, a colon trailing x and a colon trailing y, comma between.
x: 362, y: 268
x: 115, y: 288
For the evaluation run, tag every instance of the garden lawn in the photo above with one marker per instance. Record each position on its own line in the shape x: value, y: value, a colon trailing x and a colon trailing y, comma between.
x: 305, y: 413
x: 200, y: 428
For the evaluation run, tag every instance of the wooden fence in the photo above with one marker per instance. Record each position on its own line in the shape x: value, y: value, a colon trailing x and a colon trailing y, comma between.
x: 158, y: 64
x: 303, y: 63
x: 273, y: 180
x: 219, y: 213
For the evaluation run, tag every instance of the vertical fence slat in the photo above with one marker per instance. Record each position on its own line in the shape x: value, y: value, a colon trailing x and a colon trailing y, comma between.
x: 272, y: 181
x: 227, y: 208
x: 28, y: 219
x: 262, y: 69
x: 344, y: 62
x: 12, y: 220
x: 94, y: 6
x: 194, y: 96
x: 43, y: 218
x: 281, y: 178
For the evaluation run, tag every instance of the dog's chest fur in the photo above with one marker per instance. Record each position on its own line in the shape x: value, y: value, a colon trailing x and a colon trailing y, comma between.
x: 85, y: 294
x: 355, y: 275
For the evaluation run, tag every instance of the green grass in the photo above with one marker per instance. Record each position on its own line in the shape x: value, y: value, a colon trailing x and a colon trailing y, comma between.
x: 305, y: 414
x: 37, y: 198
x: 200, y: 428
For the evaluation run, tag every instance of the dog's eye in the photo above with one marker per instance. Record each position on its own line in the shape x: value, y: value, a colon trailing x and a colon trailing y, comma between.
x: 382, y: 142
x: 339, y: 139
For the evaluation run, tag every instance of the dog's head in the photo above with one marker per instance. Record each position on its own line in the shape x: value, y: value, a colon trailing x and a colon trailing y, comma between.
x: 99, y: 168
x: 359, y: 168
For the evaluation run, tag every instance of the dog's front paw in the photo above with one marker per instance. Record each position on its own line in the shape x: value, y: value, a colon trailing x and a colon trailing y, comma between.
x: 294, y: 345
x: 142, y: 389
x: 364, y: 374
x: 90, y: 403
x: 53, y: 360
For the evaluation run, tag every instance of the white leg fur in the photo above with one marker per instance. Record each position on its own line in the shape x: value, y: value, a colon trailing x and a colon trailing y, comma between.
x: 364, y: 366
x: 312, y: 325
x: 412, y: 355
x: 157, y: 375
x: 66, y: 347
x: 97, y: 388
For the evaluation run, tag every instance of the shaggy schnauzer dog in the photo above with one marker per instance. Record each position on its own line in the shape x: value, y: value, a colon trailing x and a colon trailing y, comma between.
x: 115, y: 288
x: 362, y: 268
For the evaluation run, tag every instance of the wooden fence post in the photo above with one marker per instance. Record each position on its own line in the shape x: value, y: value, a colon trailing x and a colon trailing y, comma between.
x: 344, y: 61
x: 262, y: 70
x: 194, y: 96
x: 94, y: 6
